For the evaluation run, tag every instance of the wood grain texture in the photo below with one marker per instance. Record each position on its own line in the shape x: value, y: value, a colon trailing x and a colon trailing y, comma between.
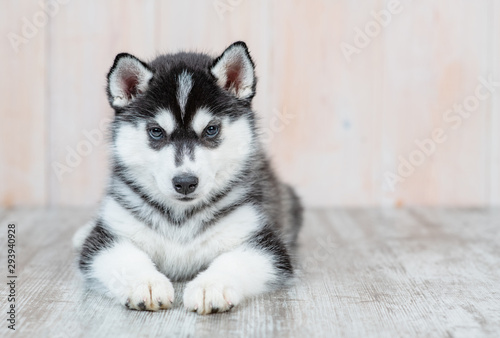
x: 494, y: 114
x: 23, y: 112
x: 80, y: 57
x: 334, y: 128
x: 328, y: 105
x: 444, y: 60
x: 363, y: 273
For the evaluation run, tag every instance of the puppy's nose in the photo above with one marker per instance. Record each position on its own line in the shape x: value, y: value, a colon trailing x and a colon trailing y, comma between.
x: 185, y: 184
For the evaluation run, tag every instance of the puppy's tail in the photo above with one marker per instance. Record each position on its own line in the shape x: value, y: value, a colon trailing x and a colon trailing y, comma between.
x: 82, y: 234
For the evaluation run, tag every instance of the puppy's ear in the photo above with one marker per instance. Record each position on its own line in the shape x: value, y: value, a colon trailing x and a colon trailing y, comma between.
x: 234, y: 71
x: 128, y: 78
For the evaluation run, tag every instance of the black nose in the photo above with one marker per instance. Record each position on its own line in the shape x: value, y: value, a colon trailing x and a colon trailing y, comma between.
x: 185, y: 184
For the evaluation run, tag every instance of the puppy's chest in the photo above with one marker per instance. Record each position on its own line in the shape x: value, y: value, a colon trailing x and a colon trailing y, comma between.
x: 180, y: 253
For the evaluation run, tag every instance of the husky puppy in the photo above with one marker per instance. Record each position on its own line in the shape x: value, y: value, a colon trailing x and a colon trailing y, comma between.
x: 191, y: 194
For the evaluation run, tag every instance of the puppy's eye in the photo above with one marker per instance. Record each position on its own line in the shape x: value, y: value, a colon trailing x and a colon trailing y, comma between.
x: 156, y: 133
x: 211, y: 131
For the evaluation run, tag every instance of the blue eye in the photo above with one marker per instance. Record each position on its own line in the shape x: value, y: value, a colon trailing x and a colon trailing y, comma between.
x: 212, y: 131
x: 156, y: 133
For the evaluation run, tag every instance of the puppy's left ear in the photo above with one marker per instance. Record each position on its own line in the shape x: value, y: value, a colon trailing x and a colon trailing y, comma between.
x: 234, y: 71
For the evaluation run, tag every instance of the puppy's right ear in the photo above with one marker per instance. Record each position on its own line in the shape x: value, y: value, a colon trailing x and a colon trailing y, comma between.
x: 128, y: 78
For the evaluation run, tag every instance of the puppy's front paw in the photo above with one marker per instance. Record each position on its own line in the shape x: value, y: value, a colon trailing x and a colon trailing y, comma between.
x: 153, y: 294
x: 207, y: 296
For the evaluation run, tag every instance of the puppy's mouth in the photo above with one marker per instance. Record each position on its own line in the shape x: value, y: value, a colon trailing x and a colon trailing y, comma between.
x: 186, y: 199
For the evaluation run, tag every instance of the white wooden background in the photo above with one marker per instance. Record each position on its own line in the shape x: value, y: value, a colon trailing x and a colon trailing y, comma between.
x: 343, y: 124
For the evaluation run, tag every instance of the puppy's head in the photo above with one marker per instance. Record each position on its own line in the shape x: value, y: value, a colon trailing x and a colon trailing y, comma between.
x: 183, y: 127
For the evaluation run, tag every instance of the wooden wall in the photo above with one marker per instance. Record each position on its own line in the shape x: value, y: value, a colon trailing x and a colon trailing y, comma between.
x: 336, y: 128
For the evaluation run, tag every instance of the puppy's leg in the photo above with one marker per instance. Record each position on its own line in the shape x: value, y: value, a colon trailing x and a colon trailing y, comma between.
x: 126, y: 272
x: 253, y: 268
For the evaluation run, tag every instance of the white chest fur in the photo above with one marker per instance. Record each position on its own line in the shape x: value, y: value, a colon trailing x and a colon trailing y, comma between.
x: 176, y: 250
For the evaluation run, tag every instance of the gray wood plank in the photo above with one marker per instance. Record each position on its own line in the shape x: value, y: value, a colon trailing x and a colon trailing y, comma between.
x: 363, y: 272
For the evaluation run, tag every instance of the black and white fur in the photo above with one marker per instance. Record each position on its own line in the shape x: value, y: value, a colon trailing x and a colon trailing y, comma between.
x: 230, y: 230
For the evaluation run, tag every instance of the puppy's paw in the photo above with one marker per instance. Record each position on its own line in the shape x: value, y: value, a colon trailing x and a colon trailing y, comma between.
x: 152, y: 294
x: 206, y: 296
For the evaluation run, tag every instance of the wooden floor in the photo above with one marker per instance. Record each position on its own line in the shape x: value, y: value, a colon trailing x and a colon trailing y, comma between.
x: 364, y: 273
